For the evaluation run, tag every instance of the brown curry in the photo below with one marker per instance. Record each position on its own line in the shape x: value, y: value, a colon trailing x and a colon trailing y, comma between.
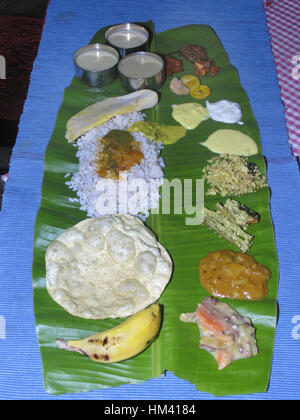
x: 119, y: 152
x: 229, y: 274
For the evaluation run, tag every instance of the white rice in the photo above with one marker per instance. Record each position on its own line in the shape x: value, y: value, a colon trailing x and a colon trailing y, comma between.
x: 84, y: 182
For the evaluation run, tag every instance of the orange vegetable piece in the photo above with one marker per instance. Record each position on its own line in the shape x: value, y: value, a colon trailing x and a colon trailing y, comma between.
x: 224, y: 358
x: 209, y: 322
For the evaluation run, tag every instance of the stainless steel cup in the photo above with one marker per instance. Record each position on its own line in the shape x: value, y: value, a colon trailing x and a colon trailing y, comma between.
x: 141, y: 70
x: 127, y: 38
x: 97, y: 77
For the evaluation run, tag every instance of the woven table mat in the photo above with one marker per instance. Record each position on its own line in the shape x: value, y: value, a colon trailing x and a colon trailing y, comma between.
x: 19, y: 41
x: 283, y: 17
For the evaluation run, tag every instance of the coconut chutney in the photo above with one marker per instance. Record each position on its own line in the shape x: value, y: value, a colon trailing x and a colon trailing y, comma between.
x: 190, y: 115
x: 225, y: 111
x: 231, y: 142
x: 166, y: 134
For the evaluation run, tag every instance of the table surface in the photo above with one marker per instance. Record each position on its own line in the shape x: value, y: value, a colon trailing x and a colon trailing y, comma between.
x: 242, y: 28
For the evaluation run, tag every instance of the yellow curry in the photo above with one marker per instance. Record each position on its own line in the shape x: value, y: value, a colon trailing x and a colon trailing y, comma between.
x: 119, y: 152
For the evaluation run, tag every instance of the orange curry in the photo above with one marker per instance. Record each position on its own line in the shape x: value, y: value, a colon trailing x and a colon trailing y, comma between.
x: 119, y: 152
x: 233, y: 275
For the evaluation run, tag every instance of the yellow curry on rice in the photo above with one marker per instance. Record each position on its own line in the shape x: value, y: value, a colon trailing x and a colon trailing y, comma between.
x: 119, y: 152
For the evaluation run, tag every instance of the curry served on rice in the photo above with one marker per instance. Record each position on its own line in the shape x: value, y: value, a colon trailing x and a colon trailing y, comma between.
x: 119, y: 152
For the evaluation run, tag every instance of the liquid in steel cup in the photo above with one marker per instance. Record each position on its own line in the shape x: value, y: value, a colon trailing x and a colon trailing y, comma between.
x: 96, y: 64
x: 127, y: 38
x: 141, y: 70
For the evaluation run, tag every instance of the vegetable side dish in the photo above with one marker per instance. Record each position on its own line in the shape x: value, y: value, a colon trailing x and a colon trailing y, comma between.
x: 232, y: 175
x: 225, y: 334
x: 197, y: 55
x: 231, y: 221
x: 234, y: 275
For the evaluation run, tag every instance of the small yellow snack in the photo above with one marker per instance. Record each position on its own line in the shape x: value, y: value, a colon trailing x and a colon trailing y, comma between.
x: 201, y: 92
x: 190, y: 81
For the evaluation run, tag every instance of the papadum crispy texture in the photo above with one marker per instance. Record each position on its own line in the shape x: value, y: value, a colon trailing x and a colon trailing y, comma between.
x: 107, y: 267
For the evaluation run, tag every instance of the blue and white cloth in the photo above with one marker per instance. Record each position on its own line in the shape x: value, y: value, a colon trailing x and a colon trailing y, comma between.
x: 242, y: 28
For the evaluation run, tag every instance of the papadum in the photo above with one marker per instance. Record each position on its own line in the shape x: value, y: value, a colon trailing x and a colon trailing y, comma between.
x: 107, y: 267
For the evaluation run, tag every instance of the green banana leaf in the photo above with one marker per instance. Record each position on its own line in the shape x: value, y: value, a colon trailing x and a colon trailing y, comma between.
x: 177, y: 348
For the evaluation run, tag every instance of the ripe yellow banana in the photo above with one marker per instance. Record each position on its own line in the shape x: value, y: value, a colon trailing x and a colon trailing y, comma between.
x: 121, y: 342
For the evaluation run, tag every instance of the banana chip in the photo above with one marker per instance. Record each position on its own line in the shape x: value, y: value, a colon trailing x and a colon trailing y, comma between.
x: 190, y: 81
x: 201, y: 92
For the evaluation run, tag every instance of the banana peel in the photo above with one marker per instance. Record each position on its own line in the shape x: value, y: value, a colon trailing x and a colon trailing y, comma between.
x: 100, y: 112
x: 121, y: 342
